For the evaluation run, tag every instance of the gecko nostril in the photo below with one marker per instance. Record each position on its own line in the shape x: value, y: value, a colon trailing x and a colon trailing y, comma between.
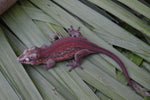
x: 18, y: 59
x: 21, y: 61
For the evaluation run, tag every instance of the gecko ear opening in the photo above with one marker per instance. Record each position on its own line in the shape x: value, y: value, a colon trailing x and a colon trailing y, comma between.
x: 35, y: 56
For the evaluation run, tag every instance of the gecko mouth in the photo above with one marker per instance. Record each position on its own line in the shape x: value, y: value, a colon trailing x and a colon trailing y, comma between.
x: 21, y: 61
x: 25, y: 61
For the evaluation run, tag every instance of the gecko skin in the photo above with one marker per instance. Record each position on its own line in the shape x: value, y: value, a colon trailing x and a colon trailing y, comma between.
x: 75, y: 46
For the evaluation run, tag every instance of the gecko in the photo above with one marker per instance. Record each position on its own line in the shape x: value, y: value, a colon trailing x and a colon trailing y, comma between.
x: 74, y: 46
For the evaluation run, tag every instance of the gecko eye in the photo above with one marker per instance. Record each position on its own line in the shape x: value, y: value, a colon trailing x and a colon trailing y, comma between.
x: 27, y: 59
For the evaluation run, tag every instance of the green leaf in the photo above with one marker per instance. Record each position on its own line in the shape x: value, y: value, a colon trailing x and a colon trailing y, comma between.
x: 134, y: 58
x: 15, y: 72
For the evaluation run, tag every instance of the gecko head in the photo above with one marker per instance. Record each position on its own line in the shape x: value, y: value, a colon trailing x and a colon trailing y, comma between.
x: 29, y: 56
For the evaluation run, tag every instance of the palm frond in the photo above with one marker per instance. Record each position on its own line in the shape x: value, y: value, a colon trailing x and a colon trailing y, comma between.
x: 34, y: 22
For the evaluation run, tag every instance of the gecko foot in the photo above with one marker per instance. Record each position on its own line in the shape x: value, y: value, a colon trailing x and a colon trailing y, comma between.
x: 73, y: 32
x: 73, y: 65
x: 45, y: 67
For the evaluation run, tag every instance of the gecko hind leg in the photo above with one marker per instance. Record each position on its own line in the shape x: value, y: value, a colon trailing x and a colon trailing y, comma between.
x: 78, y: 57
x: 73, y: 64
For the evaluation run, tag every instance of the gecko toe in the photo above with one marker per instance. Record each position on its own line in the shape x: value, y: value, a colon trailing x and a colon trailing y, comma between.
x: 45, y: 67
x: 73, y: 65
x: 80, y: 67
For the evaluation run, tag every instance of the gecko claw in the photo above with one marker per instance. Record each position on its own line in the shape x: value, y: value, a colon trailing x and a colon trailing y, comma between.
x: 73, y: 65
x: 45, y: 67
x: 74, y: 33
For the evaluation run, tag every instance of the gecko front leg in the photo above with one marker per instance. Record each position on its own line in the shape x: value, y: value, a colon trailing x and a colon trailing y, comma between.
x: 49, y: 64
x: 78, y: 57
x: 44, y: 46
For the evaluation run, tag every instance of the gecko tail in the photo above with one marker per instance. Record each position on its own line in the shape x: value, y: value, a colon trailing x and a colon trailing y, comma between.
x: 112, y: 55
